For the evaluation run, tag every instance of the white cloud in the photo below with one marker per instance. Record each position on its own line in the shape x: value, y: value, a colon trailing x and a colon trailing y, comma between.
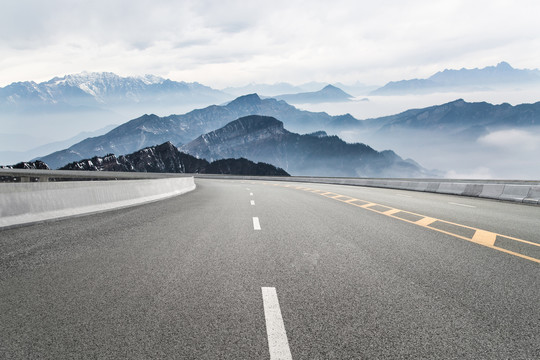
x: 482, y: 172
x: 233, y: 41
x: 512, y: 140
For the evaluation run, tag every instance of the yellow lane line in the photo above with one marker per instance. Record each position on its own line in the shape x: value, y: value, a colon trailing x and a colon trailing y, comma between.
x: 340, y: 196
x: 391, y: 212
x: 483, y: 237
x: 365, y: 206
x: 480, y: 237
x: 426, y: 221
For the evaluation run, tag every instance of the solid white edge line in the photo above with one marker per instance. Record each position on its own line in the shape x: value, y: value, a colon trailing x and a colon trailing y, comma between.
x: 252, y: 202
x: 256, y: 224
x: 458, y: 204
x: 275, y: 328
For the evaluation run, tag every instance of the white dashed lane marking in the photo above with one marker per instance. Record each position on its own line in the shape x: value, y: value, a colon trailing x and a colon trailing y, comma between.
x: 256, y: 224
x: 465, y: 205
x: 252, y: 202
x: 275, y: 328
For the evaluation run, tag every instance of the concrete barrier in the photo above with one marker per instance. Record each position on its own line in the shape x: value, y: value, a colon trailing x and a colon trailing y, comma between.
x: 491, y: 191
x: 508, y: 190
x: 515, y: 192
x: 22, y: 203
x: 432, y: 186
x: 451, y: 188
x: 473, y: 190
x: 533, y: 197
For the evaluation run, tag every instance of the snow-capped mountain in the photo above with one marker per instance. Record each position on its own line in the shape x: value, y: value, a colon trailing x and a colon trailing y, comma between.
x: 61, y: 107
x: 106, y: 89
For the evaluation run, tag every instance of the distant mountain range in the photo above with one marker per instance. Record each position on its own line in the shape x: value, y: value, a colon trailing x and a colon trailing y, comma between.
x: 277, y: 89
x: 149, y: 130
x: 103, y: 90
x: 329, y: 93
x: 457, y: 120
x: 263, y: 138
x: 63, y: 106
x: 10, y: 157
x: 488, y: 78
x: 266, y: 89
x: 166, y: 158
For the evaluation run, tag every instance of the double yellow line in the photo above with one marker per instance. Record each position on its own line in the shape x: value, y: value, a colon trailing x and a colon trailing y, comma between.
x: 475, y: 235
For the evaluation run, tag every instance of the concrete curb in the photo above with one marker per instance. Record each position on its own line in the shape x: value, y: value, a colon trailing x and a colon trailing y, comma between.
x: 22, y: 203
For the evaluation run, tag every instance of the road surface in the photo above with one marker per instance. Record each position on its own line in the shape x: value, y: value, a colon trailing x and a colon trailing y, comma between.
x: 254, y: 269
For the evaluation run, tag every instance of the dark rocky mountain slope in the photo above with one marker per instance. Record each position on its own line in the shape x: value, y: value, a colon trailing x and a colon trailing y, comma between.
x: 166, y: 158
x: 34, y: 165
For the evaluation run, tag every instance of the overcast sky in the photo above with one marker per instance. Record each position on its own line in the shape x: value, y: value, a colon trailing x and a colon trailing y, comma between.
x: 221, y: 43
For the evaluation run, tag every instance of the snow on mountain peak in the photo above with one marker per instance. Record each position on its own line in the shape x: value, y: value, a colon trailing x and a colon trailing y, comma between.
x: 87, y: 88
x: 151, y: 79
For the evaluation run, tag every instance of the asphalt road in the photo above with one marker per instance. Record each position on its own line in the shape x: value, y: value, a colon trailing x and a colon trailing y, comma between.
x: 192, y: 277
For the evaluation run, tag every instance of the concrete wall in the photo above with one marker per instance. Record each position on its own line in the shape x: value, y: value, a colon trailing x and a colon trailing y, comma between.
x: 22, y: 203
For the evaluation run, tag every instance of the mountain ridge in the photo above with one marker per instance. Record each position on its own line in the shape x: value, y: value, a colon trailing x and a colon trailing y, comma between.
x: 264, y: 138
x: 151, y: 129
x: 503, y: 74
x: 329, y: 93
x: 459, y: 115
